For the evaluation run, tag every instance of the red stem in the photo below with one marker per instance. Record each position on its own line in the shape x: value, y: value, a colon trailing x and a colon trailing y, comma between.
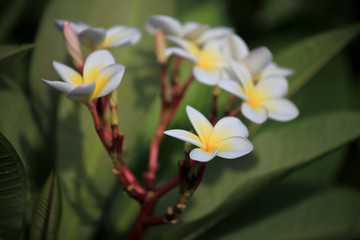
x: 167, y: 186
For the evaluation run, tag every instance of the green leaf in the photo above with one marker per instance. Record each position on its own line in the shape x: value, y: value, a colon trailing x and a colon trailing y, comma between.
x: 10, y: 53
x: 310, y: 55
x: 278, y: 151
x: 47, y: 211
x: 12, y: 191
x: 328, y: 214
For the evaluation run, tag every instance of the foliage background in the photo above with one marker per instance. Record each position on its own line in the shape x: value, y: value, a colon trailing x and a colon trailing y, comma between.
x: 318, y: 201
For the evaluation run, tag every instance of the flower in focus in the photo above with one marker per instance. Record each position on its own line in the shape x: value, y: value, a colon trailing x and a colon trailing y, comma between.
x: 98, y: 38
x: 262, y: 100
x: 101, y: 76
x: 227, y: 139
x: 190, y: 31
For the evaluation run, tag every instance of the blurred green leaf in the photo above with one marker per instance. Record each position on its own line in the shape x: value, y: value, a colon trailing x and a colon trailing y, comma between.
x: 12, y: 191
x: 310, y: 55
x: 10, y: 53
x: 278, y: 151
x: 328, y: 214
x: 47, y: 211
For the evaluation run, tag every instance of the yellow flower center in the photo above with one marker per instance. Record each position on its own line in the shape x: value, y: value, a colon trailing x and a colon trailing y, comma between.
x: 208, y: 58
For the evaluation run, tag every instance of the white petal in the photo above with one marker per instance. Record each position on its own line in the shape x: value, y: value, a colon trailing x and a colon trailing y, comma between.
x: 238, y: 47
x: 258, y: 115
x: 214, y: 33
x: 58, y: 85
x: 82, y: 92
x: 258, y: 59
x: 184, y: 136
x: 187, y: 45
x: 273, y: 69
x: 77, y: 27
x: 95, y: 62
x: 281, y: 109
x: 180, y: 52
x: 121, y: 36
x: 233, y: 87
x: 193, y: 30
x: 227, y: 127
x: 92, y: 37
x: 210, y: 78
x: 234, y: 147
x: 68, y: 74
x: 270, y: 87
x: 241, y: 74
x: 108, y: 80
x: 200, y: 123
x: 200, y: 155
x: 167, y: 24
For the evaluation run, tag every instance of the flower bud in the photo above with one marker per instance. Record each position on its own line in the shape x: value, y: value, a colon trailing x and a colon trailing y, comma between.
x: 72, y: 44
x: 160, y: 45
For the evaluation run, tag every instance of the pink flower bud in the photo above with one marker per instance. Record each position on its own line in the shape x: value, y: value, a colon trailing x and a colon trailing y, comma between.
x: 72, y: 44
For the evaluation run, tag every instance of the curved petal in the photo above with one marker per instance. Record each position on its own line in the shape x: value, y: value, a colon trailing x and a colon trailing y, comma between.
x: 233, y: 87
x: 96, y: 62
x: 185, y: 136
x: 59, y: 85
x: 193, y: 30
x: 82, y: 92
x: 180, y: 52
x: 67, y: 74
x: 270, y: 87
x: 167, y: 24
x: 187, y: 45
x: 200, y: 155
x: 214, y: 33
x: 242, y: 74
x: 273, y: 69
x: 281, y: 109
x: 108, y: 80
x: 92, y: 37
x: 258, y: 115
x: 77, y: 27
x: 210, y: 78
x: 257, y: 60
x: 234, y: 147
x: 200, y: 123
x: 121, y: 36
x: 225, y: 128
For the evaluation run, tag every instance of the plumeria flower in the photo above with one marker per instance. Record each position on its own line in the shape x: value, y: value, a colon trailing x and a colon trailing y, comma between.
x: 101, y: 76
x: 190, y: 31
x: 227, y: 139
x: 97, y: 38
x: 262, y: 100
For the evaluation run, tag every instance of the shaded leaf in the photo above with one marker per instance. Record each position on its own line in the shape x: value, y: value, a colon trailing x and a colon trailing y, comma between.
x: 277, y: 152
x: 10, y: 53
x: 12, y: 191
x: 47, y: 211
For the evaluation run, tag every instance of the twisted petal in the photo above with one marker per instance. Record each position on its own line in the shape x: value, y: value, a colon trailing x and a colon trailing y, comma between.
x: 235, y: 48
x: 180, y: 52
x: 227, y: 127
x: 214, y: 33
x: 258, y: 59
x: 108, y: 80
x: 234, y: 147
x: 200, y: 155
x: 121, y: 36
x: 271, y: 87
x: 82, y: 92
x: 184, y: 136
x: 186, y: 45
x: 167, y: 24
x: 233, y: 87
x: 210, y: 78
x: 281, y: 109
x: 92, y: 37
x: 95, y: 62
x: 200, y: 123
x: 68, y: 74
x: 257, y: 115
x: 58, y: 85
x: 273, y: 69
x: 193, y: 30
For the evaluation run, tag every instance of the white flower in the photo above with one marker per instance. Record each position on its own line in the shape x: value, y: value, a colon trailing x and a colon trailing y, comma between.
x: 97, y: 38
x: 101, y: 76
x: 262, y: 100
x: 190, y: 31
x: 227, y: 139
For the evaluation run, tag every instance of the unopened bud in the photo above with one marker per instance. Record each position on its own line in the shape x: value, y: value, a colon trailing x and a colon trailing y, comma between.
x: 72, y: 44
x: 160, y: 45
x: 187, y: 147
